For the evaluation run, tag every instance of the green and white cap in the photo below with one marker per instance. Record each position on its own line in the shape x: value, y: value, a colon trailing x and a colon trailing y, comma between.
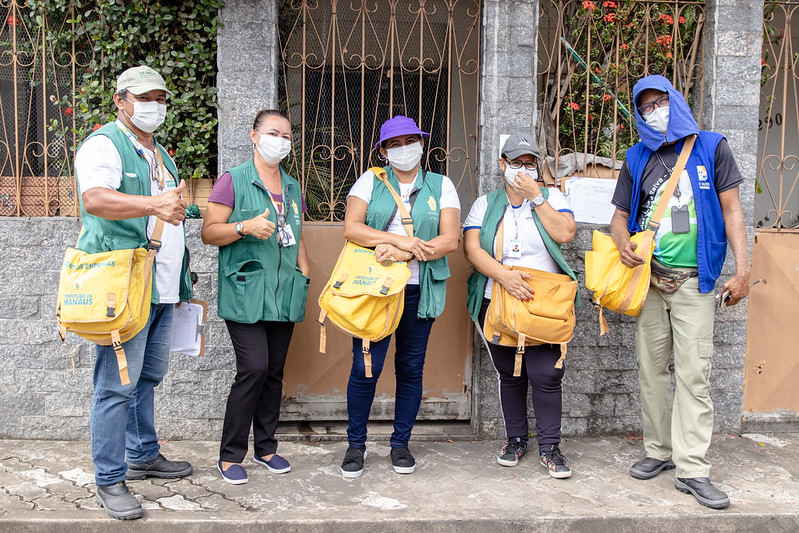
x: 140, y: 80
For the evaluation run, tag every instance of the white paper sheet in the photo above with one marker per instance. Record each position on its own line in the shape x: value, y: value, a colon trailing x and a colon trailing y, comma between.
x: 187, y: 327
x: 590, y: 199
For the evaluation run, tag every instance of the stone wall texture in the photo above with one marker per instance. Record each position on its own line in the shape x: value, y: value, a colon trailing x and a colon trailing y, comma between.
x: 43, y: 398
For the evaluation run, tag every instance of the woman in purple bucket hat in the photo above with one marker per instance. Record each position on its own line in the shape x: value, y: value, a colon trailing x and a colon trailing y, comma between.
x: 372, y: 219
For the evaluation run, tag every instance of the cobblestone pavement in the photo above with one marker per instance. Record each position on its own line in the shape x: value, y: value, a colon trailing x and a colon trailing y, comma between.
x: 49, y: 486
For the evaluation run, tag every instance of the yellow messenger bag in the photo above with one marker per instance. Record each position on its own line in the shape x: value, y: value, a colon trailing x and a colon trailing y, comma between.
x: 615, y: 286
x: 363, y: 297
x: 105, y: 297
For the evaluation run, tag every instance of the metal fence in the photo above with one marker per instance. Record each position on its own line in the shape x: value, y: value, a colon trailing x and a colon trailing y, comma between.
x: 37, y: 88
x: 347, y: 66
x: 591, y: 53
x: 777, y: 200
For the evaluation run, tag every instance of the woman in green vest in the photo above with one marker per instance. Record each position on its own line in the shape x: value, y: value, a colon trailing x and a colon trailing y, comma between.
x: 372, y: 219
x: 254, y: 215
x: 536, y: 221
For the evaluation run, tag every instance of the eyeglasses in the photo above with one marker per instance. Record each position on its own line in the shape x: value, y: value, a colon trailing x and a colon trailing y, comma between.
x: 648, y: 107
x: 517, y: 164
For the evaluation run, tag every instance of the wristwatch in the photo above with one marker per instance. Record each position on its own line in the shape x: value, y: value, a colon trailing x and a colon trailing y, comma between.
x: 238, y: 227
x: 538, y: 200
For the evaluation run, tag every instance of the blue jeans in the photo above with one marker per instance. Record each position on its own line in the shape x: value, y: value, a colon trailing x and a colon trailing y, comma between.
x: 412, y: 335
x: 122, y: 420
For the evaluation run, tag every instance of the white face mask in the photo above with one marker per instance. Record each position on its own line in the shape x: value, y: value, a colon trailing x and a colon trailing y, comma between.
x: 510, y: 173
x: 147, y: 116
x: 658, y: 119
x: 405, y: 157
x: 273, y: 149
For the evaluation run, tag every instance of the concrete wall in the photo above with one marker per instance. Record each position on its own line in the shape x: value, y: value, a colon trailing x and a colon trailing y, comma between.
x: 43, y: 399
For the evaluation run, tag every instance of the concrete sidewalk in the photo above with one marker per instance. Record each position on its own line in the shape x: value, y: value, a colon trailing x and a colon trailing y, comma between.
x: 48, y: 486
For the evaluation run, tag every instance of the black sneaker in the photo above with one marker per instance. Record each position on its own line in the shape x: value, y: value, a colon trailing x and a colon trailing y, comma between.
x: 118, y: 502
x: 555, y: 463
x: 512, y: 451
x: 352, y: 466
x: 160, y: 467
x: 403, y: 461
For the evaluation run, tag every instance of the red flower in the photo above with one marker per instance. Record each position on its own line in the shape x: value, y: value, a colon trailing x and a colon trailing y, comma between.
x: 681, y: 20
x: 97, y: 127
x: 68, y: 111
x: 621, y: 126
x: 13, y: 21
x: 574, y: 105
x: 609, y: 4
x: 171, y: 152
x: 668, y: 19
x: 762, y: 62
x: 668, y: 55
x: 664, y: 40
x: 588, y: 5
x: 598, y: 70
x: 625, y: 46
x: 610, y: 17
x: 607, y: 98
x: 590, y: 116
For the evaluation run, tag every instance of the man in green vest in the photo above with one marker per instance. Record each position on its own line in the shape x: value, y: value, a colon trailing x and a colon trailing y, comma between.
x: 127, y: 181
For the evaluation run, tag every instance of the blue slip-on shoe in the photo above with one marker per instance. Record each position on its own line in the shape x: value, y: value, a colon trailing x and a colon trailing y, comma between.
x: 235, y: 474
x: 276, y: 465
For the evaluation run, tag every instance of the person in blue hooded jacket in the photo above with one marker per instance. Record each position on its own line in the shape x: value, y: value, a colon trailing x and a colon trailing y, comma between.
x: 703, y: 214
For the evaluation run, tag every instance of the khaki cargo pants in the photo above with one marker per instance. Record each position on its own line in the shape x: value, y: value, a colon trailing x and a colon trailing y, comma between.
x: 679, y: 424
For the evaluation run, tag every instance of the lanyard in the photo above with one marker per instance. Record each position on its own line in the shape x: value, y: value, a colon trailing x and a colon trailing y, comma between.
x: 513, y: 211
x: 281, y: 215
x: 156, y: 172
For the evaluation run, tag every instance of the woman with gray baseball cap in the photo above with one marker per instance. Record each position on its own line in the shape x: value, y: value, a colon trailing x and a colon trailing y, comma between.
x: 536, y: 221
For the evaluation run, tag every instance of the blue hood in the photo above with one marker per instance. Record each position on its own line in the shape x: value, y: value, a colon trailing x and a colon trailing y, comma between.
x: 681, y: 120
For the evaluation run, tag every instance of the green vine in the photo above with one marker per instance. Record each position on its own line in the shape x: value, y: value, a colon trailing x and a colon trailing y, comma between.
x: 176, y: 38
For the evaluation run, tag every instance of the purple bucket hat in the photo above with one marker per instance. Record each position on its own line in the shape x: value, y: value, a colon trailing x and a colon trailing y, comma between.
x: 399, y: 125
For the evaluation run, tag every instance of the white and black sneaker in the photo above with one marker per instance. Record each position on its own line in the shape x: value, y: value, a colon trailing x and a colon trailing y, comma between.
x: 352, y: 466
x: 403, y: 461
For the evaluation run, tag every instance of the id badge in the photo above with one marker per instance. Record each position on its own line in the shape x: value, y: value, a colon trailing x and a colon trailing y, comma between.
x: 515, y: 248
x: 286, y: 235
x: 680, y: 219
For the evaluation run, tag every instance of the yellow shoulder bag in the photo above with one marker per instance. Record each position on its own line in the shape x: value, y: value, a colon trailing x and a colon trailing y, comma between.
x: 546, y: 319
x: 105, y: 297
x: 363, y: 297
x: 615, y: 286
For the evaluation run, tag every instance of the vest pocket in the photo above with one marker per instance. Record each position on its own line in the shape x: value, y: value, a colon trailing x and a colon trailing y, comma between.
x: 243, y: 292
x: 299, y: 296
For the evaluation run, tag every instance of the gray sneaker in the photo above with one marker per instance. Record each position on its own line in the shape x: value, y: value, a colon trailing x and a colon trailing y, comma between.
x: 118, y: 502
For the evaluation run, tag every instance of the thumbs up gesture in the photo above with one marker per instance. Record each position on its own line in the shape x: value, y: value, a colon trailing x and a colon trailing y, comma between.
x: 170, y: 207
x: 260, y: 226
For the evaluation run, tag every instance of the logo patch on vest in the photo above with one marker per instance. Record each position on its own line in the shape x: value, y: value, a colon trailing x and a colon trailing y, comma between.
x: 295, y: 208
x: 431, y: 203
x: 701, y: 172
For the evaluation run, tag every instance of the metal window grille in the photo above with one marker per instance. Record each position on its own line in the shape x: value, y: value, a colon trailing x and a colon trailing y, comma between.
x: 37, y: 88
x: 777, y: 198
x: 591, y: 53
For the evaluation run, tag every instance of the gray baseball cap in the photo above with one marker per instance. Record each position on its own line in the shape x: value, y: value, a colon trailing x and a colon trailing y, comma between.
x: 140, y: 80
x: 520, y: 144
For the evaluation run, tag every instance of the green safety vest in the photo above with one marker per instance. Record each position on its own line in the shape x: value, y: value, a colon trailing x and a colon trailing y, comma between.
x: 259, y: 280
x: 425, y: 211
x: 103, y: 235
x: 495, y: 211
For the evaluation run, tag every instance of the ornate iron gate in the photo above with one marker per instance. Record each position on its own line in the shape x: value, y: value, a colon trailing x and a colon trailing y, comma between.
x: 347, y: 66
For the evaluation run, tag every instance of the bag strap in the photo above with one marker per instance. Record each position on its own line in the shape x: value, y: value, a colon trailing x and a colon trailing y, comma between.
x: 498, y: 247
x: 654, y: 222
x: 405, y: 216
